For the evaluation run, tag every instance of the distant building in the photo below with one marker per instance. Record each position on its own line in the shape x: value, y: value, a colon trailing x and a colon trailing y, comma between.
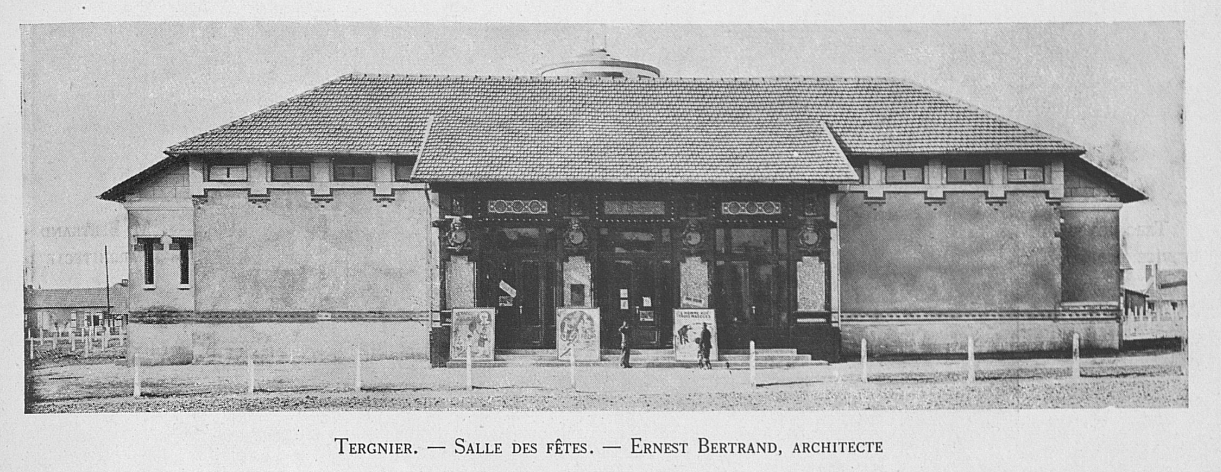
x: 1159, y: 311
x: 67, y: 310
x: 359, y: 213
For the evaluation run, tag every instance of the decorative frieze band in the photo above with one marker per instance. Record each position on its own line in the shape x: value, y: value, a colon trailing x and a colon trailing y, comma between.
x: 750, y: 208
x: 518, y: 207
x: 981, y: 316
x: 263, y: 317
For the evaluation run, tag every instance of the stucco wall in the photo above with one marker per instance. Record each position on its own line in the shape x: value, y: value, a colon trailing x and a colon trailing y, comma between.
x: 946, y: 337
x: 215, y: 343
x: 964, y: 254
x: 160, y: 208
x: 1090, y: 239
x: 294, y: 254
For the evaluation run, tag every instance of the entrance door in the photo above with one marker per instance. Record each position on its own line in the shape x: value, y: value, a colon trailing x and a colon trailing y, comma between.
x: 518, y: 279
x: 635, y: 282
x: 751, y: 288
x: 638, y: 290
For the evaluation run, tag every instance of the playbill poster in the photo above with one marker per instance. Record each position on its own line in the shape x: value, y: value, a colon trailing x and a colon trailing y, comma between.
x: 474, y: 328
x: 688, y: 325
x: 576, y: 330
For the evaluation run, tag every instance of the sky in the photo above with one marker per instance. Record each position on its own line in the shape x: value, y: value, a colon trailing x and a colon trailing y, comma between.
x: 102, y: 101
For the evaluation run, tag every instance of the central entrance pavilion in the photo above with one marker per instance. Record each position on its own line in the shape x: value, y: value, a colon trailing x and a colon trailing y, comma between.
x: 638, y: 215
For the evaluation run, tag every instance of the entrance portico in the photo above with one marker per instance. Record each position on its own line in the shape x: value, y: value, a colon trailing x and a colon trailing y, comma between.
x: 758, y: 255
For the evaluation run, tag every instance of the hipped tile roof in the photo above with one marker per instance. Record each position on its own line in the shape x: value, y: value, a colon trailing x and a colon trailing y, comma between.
x: 667, y: 128
x: 645, y: 147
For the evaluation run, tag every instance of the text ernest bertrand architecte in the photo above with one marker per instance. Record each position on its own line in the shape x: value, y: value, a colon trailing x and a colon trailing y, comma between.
x: 701, y: 445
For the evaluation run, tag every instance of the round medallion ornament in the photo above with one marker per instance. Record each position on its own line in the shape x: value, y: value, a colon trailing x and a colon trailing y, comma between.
x: 576, y: 237
x: 693, y: 238
x: 809, y: 236
x: 458, y: 238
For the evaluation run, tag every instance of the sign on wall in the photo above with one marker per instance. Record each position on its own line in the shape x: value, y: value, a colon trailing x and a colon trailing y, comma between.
x: 474, y: 327
x: 688, y: 325
x: 576, y: 330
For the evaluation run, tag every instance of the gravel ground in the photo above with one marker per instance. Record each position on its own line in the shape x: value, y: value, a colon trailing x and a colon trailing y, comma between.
x: 1136, y: 381
x: 1136, y: 392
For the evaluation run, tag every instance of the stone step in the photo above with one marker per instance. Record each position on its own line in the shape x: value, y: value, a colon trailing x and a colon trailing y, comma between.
x: 765, y: 357
x: 652, y: 355
x: 734, y: 365
x: 792, y: 351
x: 542, y: 352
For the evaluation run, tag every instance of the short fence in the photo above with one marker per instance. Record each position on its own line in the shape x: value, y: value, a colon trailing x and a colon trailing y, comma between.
x: 1154, y: 327
x: 81, y: 341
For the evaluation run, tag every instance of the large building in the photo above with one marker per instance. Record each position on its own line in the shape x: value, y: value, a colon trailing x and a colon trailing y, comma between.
x: 360, y: 213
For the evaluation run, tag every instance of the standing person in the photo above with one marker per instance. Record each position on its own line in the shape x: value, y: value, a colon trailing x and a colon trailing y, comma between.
x: 625, y: 333
x: 705, y: 348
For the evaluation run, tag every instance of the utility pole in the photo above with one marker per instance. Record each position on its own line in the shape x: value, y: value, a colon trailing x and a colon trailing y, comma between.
x: 106, y: 264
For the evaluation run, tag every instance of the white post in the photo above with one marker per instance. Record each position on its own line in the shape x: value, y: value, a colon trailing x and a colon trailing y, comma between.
x: 864, y: 360
x: 572, y: 366
x: 970, y: 359
x: 752, y: 365
x: 72, y: 341
x: 470, y: 384
x: 88, y: 340
x: 1183, y: 351
x: 31, y: 348
x: 1076, y: 355
x: 250, y: 371
x: 135, y: 367
x: 55, y: 341
x: 357, y: 385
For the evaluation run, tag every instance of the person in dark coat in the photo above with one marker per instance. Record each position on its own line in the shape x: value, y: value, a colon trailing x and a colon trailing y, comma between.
x: 705, y: 348
x: 625, y: 334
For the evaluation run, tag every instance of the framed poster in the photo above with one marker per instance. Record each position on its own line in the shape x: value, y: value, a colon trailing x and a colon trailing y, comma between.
x: 474, y: 327
x: 576, y: 330
x: 688, y: 325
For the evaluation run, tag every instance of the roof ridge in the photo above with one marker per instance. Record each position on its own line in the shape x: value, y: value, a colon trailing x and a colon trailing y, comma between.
x: 682, y: 79
x: 954, y: 99
x: 258, y: 112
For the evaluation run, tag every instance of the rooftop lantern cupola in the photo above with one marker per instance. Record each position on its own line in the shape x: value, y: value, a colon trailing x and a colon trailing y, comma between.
x: 599, y: 63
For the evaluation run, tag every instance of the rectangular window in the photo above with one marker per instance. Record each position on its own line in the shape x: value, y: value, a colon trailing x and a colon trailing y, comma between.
x: 633, y: 207
x: 293, y: 170
x: 147, y: 246
x: 403, y: 167
x: 227, y: 169
x: 904, y: 175
x: 353, y: 169
x: 517, y: 239
x: 745, y: 241
x: 183, y: 246
x: 963, y: 173
x: 1025, y: 174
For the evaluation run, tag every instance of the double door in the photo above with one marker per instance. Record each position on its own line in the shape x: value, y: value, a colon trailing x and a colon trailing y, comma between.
x: 522, y: 290
x: 639, y: 290
x: 752, y: 288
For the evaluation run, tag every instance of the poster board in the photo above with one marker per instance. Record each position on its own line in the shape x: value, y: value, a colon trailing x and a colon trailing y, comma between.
x: 479, y: 326
x: 688, y: 323
x: 577, y: 329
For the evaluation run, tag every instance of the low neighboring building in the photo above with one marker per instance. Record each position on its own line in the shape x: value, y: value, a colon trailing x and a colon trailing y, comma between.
x: 1168, y: 296
x: 1160, y: 310
x: 64, y: 310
